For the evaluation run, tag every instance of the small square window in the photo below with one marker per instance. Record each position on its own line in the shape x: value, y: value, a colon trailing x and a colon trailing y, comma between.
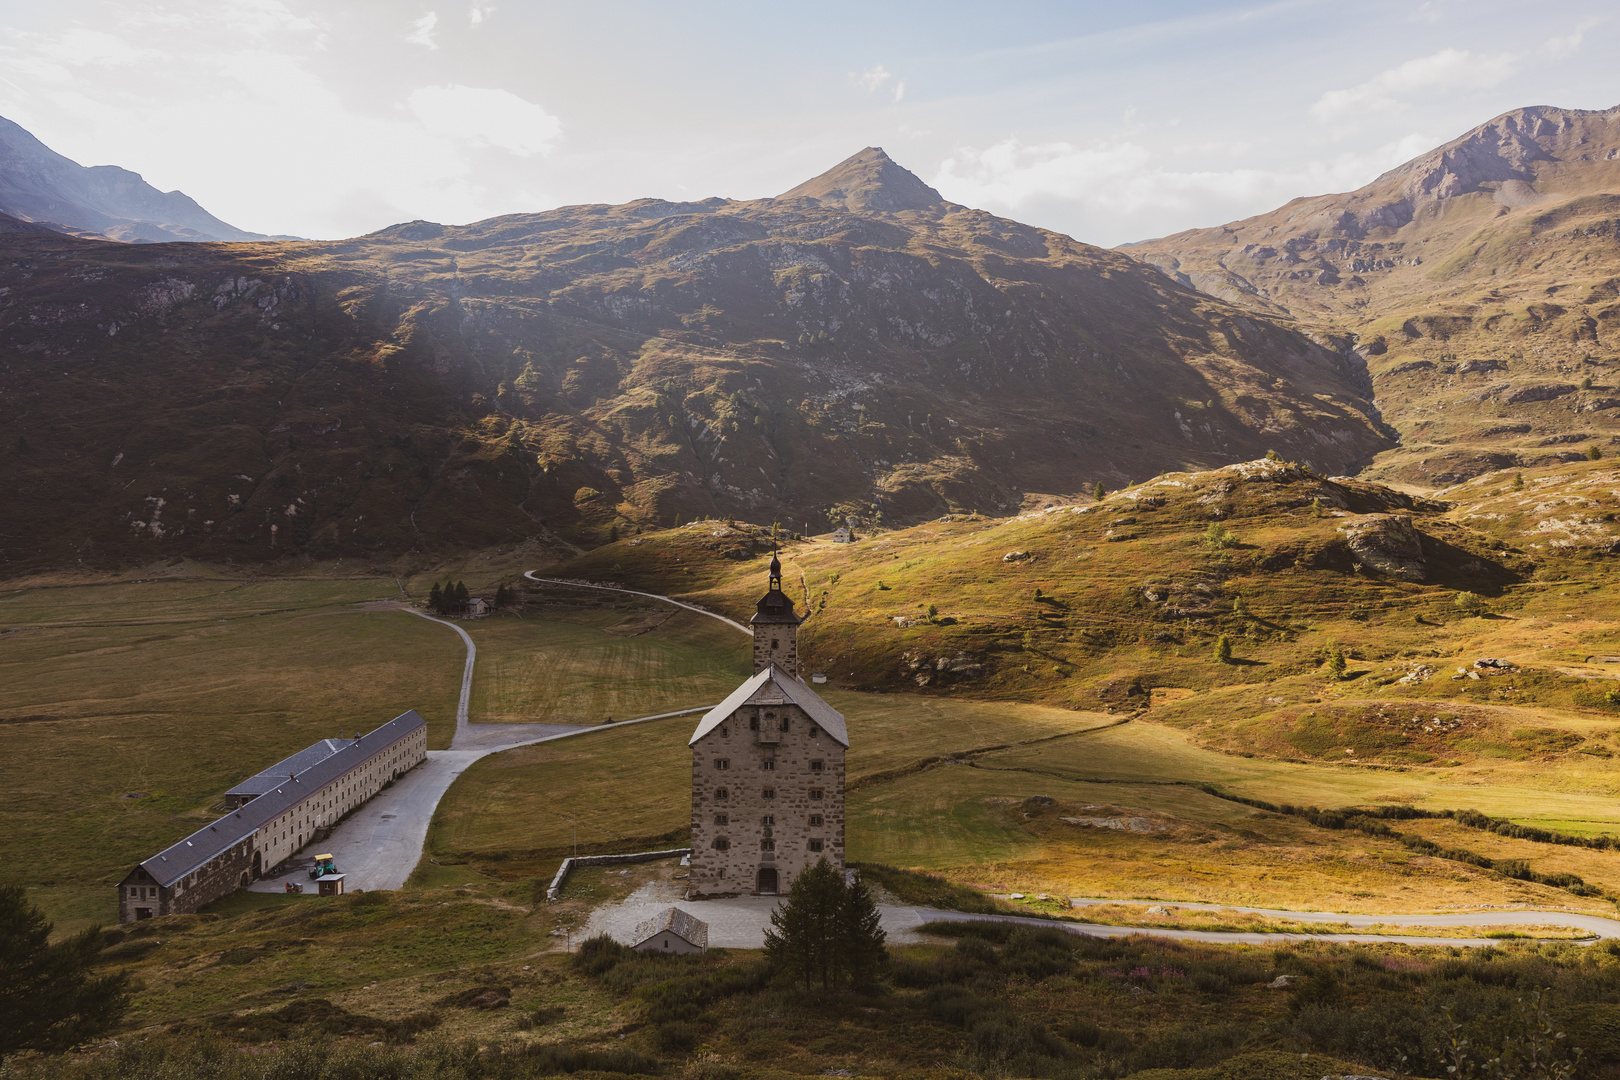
x: 769, y: 765
x: 815, y: 845
x: 816, y: 766
x: 721, y: 819
x: 722, y: 844
x: 722, y: 763
x: 815, y: 819
x: 769, y: 793
x: 721, y: 793
x: 767, y: 845
x: 815, y: 793
x: 768, y: 819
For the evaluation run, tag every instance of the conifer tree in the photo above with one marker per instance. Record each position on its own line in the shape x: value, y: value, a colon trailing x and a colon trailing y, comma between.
x: 436, y: 599
x: 827, y: 931
x: 1223, y: 649
x: 861, y: 938
x: 50, y: 997
x: 800, y: 940
x: 1099, y: 491
x: 459, y: 600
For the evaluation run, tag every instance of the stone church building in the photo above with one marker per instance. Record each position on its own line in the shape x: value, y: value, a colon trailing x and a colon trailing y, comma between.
x: 767, y: 769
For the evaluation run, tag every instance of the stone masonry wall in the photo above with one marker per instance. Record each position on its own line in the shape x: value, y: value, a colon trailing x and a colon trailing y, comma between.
x: 785, y: 654
x: 792, y: 777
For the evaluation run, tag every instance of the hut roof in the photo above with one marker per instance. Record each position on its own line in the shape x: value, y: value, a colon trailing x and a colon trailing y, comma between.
x: 688, y: 927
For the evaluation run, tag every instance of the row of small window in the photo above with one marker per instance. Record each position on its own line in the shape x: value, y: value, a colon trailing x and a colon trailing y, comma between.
x: 767, y: 793
x: 769, y: 764
x: 767, y: 820
x: 142, y: 892
x: 722, y: 844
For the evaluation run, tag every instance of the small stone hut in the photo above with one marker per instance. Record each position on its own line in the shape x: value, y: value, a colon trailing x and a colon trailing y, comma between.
x: 672, y: 931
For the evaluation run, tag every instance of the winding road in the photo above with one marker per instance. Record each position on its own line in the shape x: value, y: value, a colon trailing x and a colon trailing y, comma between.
x: 381, y: 843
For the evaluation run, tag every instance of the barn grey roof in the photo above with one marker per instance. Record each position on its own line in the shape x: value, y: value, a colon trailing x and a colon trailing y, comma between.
x: 176, y: 861
x: 683, y: 925
x: 773, y: 686
x: 277, y: 774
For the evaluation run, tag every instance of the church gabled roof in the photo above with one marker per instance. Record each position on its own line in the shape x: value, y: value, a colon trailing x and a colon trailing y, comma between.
x: 775, y: 686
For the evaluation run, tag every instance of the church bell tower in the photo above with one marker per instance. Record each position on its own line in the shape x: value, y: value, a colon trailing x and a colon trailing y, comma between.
x: 776, y: 627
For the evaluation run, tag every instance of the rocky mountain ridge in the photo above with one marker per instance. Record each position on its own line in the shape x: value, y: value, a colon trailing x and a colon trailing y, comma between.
x: 601, y: 368
x: 1478, y: 281
x: 39, y: 185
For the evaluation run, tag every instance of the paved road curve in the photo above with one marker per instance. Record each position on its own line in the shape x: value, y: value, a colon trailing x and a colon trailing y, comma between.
x: 379, y: 844
x: 636, y: 592
x: 1597, y: 924
x: 741, y: 922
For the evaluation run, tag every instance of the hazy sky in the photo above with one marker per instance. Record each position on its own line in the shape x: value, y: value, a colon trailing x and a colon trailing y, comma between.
x: 1109, y: 121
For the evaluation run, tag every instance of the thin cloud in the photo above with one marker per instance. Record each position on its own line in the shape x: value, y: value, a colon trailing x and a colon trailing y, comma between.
x: 422, y: 31
x: 1124, y: 178
x: 1388, y: 90
x: 484, y: 117
x: 872, y: 79
x: 1561, y: 48
x: 899, y: 91
x: 479, y: 13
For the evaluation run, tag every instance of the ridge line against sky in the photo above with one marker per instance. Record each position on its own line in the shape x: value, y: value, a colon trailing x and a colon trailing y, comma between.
x: 1109, y: 122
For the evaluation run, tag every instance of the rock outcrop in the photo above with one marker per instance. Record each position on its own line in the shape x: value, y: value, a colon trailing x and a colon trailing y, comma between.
x: 1386, y: 544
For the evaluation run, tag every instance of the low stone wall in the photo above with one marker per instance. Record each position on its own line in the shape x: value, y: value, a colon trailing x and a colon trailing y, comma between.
x: 605, y: 860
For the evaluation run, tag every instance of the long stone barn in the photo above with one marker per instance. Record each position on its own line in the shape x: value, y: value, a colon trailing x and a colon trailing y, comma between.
x: 274, y: 814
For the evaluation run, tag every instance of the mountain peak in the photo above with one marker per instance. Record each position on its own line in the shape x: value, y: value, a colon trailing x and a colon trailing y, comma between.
x: 869, y: 180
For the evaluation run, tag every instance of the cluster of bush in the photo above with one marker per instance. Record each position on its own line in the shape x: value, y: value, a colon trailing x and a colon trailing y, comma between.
x: 1486, y: 1013
x: 452, y: 598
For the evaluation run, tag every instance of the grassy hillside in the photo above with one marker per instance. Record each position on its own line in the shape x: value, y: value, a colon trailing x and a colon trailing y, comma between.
x: 563, y: 375
x: 1477, y: 282
x: 1101, y: 606
x: 462, y: 979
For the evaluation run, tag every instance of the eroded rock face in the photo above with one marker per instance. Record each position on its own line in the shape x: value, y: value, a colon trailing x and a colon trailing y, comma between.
x: 1386, y: 544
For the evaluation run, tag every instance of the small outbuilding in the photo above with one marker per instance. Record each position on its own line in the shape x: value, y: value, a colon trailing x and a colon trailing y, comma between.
x: 331, y: 884
x: 478, y: 607
x: 843, y: 535
x: 673, y: 931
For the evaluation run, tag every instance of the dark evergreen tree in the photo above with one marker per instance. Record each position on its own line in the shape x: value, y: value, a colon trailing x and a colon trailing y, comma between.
x: 459, y: 600
x: 503, y: 596
x: 436, y: 599
x: 860, y: 938
x: 50, y: 999
x: 800, y: 941
x: 827, y: 931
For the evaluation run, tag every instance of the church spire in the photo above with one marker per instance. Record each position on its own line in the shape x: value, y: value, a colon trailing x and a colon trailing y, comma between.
x: 776, y: 626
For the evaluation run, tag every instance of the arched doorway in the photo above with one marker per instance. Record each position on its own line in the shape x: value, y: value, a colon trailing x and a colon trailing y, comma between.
x: 767, y: 881
x: 258, y: 865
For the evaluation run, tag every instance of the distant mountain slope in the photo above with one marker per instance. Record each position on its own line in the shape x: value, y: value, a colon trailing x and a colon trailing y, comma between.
x: 1479, y: 280
x: 38, y: 184
x: 602, y: 367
